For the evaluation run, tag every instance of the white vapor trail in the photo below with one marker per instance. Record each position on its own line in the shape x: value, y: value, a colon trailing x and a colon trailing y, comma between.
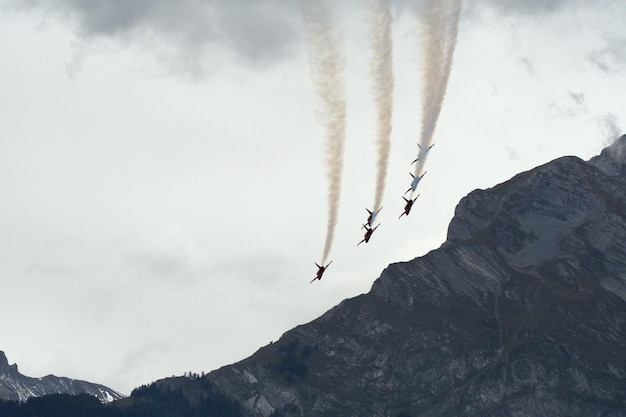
x: 326, y: 62
x: 381, y: 72
x: 440, y: 22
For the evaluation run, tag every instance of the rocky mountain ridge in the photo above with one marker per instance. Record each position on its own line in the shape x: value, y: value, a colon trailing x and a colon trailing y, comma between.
x: 522, y: 311
x: 16, y: 387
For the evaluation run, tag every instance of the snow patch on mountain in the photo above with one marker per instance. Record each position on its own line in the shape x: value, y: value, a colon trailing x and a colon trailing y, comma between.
x: 16, y: 387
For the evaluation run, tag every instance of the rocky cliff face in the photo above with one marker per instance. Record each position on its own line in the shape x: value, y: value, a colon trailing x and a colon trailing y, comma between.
x: 522, y: 311
x: 17, y: 387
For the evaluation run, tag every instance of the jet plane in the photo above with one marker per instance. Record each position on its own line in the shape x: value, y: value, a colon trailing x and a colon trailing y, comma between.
x: 368, y: 233
x: 422, y: 152
x: 371, y: 217
x: 408, y: 206
x: 416, y: 180
x: 320, y: 271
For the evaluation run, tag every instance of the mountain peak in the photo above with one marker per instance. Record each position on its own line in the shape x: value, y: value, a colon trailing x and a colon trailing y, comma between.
x: 612, y: 159
x: 17, y: 387
x: 618, y: 147
x: 4, y: 363
x: 5, y: 368
x: 518, y: 312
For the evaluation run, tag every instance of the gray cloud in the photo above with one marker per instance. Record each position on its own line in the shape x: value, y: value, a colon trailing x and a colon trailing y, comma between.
x: 531, y: 7
x: 473, y: 10
x: 257, y: 33
x: 571, y: 105
x: 610, y: 127
x: 612, y: 58
x: 194, y: 35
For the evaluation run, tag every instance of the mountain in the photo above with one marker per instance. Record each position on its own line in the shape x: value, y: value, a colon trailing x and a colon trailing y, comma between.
x: 17, y: 387
x: 173, y: 397
x: 521, y: 312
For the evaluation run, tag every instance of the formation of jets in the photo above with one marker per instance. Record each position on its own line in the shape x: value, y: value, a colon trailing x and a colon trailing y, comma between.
x: 368, y: 226
x: 416, y: 180
x: 372, y: 216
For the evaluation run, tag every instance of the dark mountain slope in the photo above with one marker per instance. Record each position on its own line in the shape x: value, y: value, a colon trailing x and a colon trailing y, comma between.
x: 172, y: 397
x: 521, y: 311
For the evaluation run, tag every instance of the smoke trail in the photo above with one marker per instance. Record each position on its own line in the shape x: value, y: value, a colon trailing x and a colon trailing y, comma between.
x: 326, y: 64
x: 440, y: 22
x: 381, y: 71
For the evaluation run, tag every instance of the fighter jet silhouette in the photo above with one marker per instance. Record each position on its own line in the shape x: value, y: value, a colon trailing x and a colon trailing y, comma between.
x: 422, y: 152
x: 320, y: 271
x: 368, y: 233
x: 408, y: 206
x: 372, y: 217
x: 416, y: 180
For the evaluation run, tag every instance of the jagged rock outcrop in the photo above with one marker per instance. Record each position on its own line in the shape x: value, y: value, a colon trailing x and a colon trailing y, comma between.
x: 17, y: 387
x: 522, y: 311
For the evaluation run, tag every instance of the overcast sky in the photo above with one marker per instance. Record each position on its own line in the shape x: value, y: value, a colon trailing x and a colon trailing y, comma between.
x: 162, y: 171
